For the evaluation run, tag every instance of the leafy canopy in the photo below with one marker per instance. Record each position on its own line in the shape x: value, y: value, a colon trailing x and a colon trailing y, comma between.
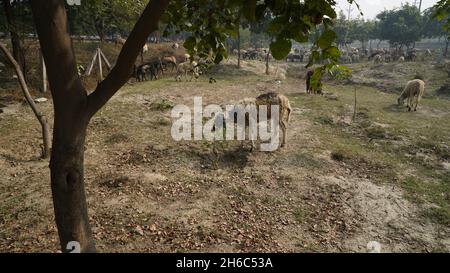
x: 211, y: 22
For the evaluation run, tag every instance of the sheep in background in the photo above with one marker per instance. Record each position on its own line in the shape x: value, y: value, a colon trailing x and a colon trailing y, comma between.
x: 414, y: 90
x: 119, y: 41
x: 169, y: 60
x: 401, y: 59
x: 378, y: 59
x: 185, y: 68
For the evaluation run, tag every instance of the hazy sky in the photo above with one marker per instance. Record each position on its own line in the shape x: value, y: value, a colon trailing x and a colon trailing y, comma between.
x: 371, y: 8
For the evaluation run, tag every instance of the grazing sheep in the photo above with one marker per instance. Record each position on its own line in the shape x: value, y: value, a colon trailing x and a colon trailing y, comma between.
x: 413, y: 91
x: 377, y: 59
x: 185, y: 68
x: 175, y: 46
x: 267, y: 100
x: 152, y: 68
x: 388, y: 58
x: 401, y: 59
x: 169, y: 60
x: 145, y: 49
x: 411, y: 56
x: 119, y: 41
x: 282, y: 101
x: 294, y: 58
x: 355, y: 58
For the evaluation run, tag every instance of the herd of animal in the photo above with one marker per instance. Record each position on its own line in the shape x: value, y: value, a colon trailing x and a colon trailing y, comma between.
x: 154, y: 68
x: 356, y: 55
x: 184, y: 66
x: 254, y: 54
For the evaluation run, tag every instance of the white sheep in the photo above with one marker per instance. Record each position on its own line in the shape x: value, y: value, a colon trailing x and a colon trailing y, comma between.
x: 145, y: 48
x: 414, y: 90
x: 401, y: 59
x: 267, y: 100
x: 378, y: 59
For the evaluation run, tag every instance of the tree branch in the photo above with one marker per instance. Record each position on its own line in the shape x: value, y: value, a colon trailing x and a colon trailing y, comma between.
x: 51, y: 24
x: 41, y: 118
x: 119, y: 75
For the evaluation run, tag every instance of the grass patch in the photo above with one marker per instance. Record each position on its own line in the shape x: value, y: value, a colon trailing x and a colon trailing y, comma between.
x: 117, y: 138
x: 299, y: 215
x: 436, y: 192
x: 339, y: 155
x: 162, y: 105
x: 376, y: 132
x: 325, y: 120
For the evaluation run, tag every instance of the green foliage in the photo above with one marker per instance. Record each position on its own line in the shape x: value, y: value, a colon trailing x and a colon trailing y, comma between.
x: 442, y: 13
x: 104, y: 17
x: 402, y: 26
x: 22, y: 17
x: 212, y: 22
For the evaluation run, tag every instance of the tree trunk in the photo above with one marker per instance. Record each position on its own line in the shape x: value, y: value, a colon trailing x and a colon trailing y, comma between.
x: 239, y: 47
x: 16, y: 43
x: 100, y: 27
x: 73, y: 109
x: 267, y: 62
x: 67, y: 181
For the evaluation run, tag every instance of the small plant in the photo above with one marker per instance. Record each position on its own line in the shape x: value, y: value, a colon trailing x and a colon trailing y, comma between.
x: 338, y: 156
x: 162, y: 105
x: 117, y: 138
x: 376, y: 132
x: 325, y: 120
x: 299, y: 215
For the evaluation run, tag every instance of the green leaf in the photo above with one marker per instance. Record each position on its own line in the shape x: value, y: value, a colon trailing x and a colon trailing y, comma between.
x: 326, y: 39
x: 280, y: 48
x: 331, y: 53
x: 190, y: 43
x: 276, y: 25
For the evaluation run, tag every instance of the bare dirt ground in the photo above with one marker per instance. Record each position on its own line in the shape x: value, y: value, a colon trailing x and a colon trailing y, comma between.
x: 336, y: 186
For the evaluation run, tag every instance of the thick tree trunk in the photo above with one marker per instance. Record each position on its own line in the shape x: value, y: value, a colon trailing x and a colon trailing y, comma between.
x: 67, y: 182
x: 100, y: 27
x: 73, y: 109
x: 16, y: 43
